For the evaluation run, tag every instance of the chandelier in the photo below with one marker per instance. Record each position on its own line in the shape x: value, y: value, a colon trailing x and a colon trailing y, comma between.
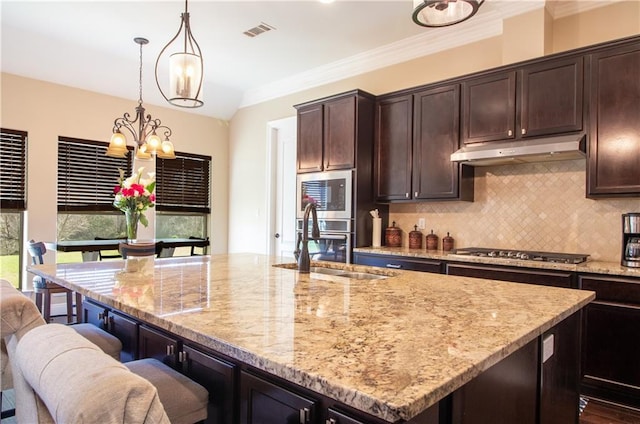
x: 185, y: 67
x: 143, y: 128
x: 440, y: 13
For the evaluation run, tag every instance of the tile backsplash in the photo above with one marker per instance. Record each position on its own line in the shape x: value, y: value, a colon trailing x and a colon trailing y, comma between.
x: 537, y: 206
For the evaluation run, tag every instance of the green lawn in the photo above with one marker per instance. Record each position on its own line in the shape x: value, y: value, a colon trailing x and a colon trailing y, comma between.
x: 9, y: 265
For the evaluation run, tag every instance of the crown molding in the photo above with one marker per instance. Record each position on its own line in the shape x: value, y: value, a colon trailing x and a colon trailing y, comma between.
x: 433, y: 40
x: 562, y: 8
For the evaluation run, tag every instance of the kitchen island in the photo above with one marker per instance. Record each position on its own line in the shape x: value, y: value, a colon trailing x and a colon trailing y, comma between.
x: 391, y: 348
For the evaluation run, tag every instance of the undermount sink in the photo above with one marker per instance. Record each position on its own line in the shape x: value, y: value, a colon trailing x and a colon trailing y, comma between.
x: 325, y: 271
x: 347, y: 274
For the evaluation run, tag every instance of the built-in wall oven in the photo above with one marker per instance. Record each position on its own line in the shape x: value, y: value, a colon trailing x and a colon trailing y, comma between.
x: 334, y: 243
x: 331, y: 191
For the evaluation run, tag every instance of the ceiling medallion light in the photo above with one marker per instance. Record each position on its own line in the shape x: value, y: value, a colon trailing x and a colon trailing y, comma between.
x: 185, y: 67
x: 440, y: 13
x: 147, y: 140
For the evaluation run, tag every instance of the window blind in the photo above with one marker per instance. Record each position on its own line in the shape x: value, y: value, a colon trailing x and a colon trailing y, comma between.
x: 182, y: 184
x: 13, y: 169
x: 86, y: 176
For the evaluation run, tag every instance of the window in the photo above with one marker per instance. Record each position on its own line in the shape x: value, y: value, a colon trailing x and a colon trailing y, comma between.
x: 13, y: 165
x: 86, y: 177
x: 183, y: 183
x: 182, y: 197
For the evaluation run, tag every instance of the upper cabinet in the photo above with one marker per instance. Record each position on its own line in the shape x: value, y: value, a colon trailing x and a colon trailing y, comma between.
x: 393, y: 151
x: 415, y: 137
x: 536, y: 100
x: 614, y: 145
x: 330, y: 131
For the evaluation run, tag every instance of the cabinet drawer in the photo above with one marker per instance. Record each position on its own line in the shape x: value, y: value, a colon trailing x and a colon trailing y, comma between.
x: 623, y: 290
x: 395, y: 262
x: 529, y: 276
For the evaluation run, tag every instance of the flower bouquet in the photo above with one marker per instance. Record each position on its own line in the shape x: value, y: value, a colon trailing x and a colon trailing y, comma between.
x: 134, y: 195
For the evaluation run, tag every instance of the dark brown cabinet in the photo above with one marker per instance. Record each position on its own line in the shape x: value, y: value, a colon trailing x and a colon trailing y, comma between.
x: 263, y: 402
x: 614, y: 145
x: 217, y: 376
x: 157, y: 345
x: 330, y: 131
x: 399, y: 262
x: 517, y: 275
x: 124, y: 328
x: 415, y: 136
x: 436, y: 136
x: 539, y: 99
x: 393, y: 148
x: 611, y: 340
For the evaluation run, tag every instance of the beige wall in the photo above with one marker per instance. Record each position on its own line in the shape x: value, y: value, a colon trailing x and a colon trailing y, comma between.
x: 47, y: 111
x: 523, y: 38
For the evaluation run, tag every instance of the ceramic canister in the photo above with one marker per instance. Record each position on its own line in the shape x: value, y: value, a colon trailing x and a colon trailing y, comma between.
x: 432, y: 241
x: 447, y: 243
x: 415, y: 238
x: 393, y: 236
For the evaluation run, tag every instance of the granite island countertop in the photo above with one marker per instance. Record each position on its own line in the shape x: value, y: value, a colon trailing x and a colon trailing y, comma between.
x: 590, y: 266
x: 389, y: 347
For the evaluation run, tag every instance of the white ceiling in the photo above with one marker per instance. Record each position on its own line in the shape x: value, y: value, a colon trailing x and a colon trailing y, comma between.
x: 89, y: 44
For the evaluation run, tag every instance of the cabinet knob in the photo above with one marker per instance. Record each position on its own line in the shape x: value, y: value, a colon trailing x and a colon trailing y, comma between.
x: 182, y: 356
x: 170, y: 350
x: 406, y: 195
x: 524, y: 131
x: 510, y: 133
x: 415, y: 194
x: 331, y: 421
x: 394, y: 266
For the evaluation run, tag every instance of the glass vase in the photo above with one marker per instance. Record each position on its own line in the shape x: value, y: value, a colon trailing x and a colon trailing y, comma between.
x: 132, y: 218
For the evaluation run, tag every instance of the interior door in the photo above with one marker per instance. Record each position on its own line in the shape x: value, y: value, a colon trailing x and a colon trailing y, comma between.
x: 283, y: 204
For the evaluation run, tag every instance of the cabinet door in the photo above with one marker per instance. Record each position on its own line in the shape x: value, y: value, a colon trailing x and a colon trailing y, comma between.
x: 157, y: 345
x: 339, y: 133
x: 264, y: 402
x: 614, y: 146
x: 395, y: 262
x: 309, y: 143
x: 551, y: 97
x: 489, y: 108
x: 393, y: 141
x: 435, y: 138
x: 218, y: 377
x: 611, y: 340
x: 94, y: 314
x: 126, y: 330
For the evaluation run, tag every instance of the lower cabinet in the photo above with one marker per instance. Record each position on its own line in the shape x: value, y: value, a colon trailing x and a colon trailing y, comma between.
x: 399, y: 262
x: 263, y: 402
x: 611, y: 340
x: 124, y: 328
x: 517, y: 275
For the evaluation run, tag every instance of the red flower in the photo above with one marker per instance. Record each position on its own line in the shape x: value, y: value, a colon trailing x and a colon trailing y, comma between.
x: 152, y: 197
x: 137, y: 188
x: 116, y: 189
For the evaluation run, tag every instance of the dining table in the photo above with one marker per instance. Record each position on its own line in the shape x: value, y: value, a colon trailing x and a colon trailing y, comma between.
x: 90, y: 248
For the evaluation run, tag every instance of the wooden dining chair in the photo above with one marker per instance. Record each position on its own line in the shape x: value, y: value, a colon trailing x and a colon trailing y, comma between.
x: 43, y: 289
x: 193, y: 248
x: 140, y: 249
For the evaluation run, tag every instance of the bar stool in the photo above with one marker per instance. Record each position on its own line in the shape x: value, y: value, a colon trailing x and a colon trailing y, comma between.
x: 43, y: 289
x: 193, y: 248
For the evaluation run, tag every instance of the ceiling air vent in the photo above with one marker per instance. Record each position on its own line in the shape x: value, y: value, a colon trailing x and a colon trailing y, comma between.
x: 255, y: 31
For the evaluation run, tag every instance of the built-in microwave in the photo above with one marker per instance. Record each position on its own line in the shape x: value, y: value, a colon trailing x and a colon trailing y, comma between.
x: 330, y: 191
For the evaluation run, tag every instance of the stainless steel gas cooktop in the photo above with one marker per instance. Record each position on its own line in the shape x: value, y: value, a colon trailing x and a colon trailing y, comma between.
x: 524, y: 255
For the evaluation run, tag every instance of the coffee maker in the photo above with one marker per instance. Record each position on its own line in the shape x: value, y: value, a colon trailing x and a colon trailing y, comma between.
x: 631, y: 239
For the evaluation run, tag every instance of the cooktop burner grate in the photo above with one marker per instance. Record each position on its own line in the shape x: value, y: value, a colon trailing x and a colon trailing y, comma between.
x: 525, y: 255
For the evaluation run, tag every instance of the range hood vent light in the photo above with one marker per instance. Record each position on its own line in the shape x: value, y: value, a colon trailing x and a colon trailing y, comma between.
x: 566, y: 147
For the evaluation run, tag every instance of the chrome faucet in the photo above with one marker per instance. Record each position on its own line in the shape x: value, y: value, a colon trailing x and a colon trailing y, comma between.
x: 302, y: 256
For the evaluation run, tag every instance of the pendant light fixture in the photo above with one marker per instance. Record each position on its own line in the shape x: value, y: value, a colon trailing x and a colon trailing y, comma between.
x: 145, y: 136
x: 440, y: 13
x: 186, y: 70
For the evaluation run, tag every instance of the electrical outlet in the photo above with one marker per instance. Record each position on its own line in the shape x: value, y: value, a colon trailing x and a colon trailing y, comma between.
x: 421, y: 223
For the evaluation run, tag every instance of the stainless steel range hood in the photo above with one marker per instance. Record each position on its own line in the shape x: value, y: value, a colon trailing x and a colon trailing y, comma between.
x: 564, y: 147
